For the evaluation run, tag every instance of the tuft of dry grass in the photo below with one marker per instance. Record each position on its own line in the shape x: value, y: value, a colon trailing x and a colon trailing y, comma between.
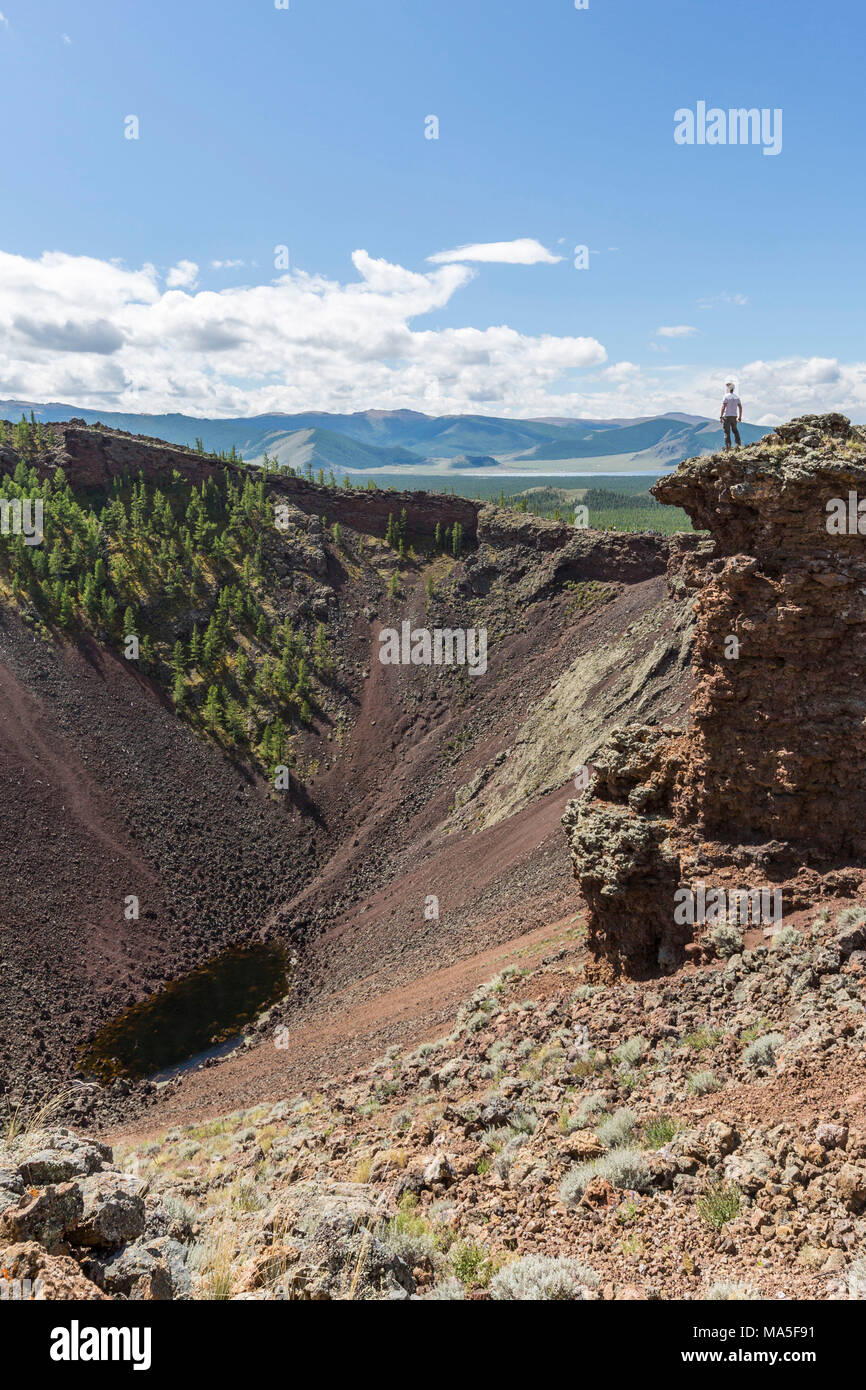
x: 22, y: 1120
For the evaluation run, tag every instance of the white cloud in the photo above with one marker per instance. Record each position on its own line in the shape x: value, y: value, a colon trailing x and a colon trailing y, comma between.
x: 225, y: 265
x: 709, y: 301
x: 524, y: 251
x: 182, y: 276
x: 677, y: 330
x: 96, y: 333
x: 65, y: 38
x: 99, y: 334
x: 3, y: 20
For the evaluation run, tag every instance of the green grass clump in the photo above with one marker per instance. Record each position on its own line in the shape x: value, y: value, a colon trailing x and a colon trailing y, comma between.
x: 658, y: 1131
x: 471, y: 1264
x: 719, y: 1202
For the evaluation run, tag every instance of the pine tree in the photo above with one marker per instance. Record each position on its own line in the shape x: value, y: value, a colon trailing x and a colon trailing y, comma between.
x: 321, y: 649
x: 67, y: 611
x: 212, y: 708
x: 56, y: 561
x: 211, y: 643
x: 108, y: 605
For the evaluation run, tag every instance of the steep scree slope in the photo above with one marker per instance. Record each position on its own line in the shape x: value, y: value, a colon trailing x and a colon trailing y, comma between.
x: 405, y: 782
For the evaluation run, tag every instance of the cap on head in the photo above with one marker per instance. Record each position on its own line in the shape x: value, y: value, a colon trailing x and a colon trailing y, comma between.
x: 730, y: 385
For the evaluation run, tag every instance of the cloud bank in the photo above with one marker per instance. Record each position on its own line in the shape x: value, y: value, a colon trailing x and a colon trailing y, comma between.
x: 102, y: 335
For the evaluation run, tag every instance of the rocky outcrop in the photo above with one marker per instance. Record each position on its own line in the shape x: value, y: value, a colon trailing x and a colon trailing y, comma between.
x: 368, y: 511
x: 767, y: 782
x: 624, y: 851
x: 93, y: 455
x: 569, y: 553
x: 779, y: 740
x: 72, y: 1226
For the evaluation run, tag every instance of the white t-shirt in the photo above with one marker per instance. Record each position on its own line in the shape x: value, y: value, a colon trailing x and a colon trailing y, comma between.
x: 731, y: 403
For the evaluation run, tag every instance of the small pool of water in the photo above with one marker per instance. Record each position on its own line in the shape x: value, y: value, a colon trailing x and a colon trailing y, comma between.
x: 199, y: 1015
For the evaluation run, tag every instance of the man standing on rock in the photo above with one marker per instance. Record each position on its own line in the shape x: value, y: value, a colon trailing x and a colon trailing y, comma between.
x: 732, y: 414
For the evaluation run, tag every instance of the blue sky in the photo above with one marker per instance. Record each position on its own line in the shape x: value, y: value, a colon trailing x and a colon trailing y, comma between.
x: 305, y: 127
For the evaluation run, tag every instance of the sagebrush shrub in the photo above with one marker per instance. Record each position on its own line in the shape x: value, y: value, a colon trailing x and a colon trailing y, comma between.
x: 739, y: 1293
x: 701, y: 1083
x: 625, y: 1168
x: 617, y: 1129
x: 410, y: 1238
x: 450, y: 1288
x: 762, y: 1052
x: 630, y: 1052
x: 788, y: 939
x: 504, y: 1160
x: 589, y: 1107
x: 726, y: 939
x: 543, y: 1277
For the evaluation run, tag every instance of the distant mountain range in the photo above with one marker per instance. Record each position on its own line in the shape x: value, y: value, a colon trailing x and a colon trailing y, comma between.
x: 400, y: 440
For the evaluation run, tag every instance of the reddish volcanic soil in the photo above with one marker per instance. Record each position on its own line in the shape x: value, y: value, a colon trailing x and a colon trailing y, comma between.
x: 106, y: 793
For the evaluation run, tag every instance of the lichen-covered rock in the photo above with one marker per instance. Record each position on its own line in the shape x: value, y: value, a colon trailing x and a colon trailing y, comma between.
x: 112, y: 1212
x: 44, y: 1216
x: 69, y: 1156
x: 623, y: 855
x: 155, y: 1272
x: 33, y: 1273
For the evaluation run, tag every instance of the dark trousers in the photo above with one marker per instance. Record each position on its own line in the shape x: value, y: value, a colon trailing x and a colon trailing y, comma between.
x: 730, y: 423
